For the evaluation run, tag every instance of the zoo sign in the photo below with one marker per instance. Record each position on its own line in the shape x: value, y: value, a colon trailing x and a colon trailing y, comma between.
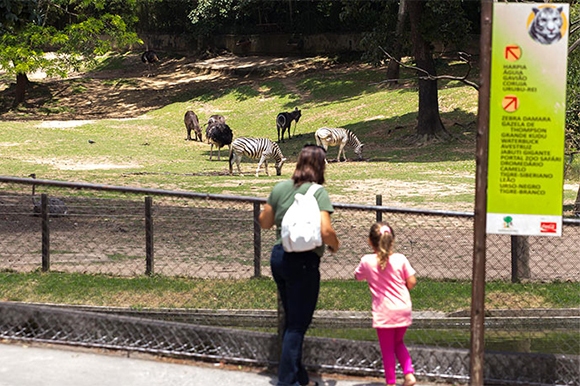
x: 527, y: 119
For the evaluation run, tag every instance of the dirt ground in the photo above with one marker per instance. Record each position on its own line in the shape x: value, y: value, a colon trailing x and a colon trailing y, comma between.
x: 137, y: 88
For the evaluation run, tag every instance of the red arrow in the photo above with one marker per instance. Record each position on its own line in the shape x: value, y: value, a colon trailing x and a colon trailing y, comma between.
x: 509, y: 50
x: 512, y: 101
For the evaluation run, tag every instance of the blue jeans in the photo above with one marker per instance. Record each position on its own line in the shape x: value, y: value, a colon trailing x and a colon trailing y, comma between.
x: 298, y: 280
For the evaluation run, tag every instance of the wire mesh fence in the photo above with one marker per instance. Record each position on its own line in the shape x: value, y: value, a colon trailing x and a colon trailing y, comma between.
x: 203, y: 260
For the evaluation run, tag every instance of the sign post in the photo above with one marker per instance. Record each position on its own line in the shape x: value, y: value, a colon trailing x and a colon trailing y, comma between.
x: 527, y: 119
x: 476, y: 351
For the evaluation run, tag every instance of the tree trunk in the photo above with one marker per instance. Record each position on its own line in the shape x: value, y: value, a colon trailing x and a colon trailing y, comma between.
x: 429, y: 122
x: 21, y: 84
x: 393, y: 67
x: 577, y: 204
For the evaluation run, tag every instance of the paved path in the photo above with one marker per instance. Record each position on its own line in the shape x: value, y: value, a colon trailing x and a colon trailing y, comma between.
x: 22, y: 365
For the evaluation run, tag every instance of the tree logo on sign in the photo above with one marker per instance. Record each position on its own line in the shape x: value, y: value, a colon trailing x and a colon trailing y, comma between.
x: 507, y: 221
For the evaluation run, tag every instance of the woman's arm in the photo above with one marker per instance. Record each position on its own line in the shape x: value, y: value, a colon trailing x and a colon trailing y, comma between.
x: 328, y: 234
x: 411, y: 282
x: 267, y: 217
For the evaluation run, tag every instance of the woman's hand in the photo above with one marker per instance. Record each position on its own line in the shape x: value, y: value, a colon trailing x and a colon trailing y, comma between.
x: 267, y: 217
x: 328, y: 234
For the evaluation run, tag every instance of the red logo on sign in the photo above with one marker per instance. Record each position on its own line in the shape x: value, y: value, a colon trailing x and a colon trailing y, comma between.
x: 548, y: 227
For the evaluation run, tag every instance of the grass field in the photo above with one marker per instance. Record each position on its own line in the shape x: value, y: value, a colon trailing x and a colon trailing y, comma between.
x: 160, y: 291
x: 149, y: 149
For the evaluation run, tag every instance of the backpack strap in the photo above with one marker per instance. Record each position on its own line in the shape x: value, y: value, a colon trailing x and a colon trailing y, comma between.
x: 312, y: 189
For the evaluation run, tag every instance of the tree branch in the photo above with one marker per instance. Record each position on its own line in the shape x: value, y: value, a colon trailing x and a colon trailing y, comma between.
x: 51, y: 3
x: 427, y: 76
x: 573, y: 46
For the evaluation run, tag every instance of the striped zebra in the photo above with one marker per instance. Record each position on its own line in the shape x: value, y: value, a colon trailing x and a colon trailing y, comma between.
x: 261, y: 148
x: 338, y: 137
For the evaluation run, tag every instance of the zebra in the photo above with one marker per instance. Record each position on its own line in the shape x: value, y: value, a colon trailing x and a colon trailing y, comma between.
x: 338, y: 137
x: 261, y: 148
x: 284, y: 121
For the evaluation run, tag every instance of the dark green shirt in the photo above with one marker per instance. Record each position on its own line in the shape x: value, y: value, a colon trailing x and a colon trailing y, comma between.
x: 282, y: 197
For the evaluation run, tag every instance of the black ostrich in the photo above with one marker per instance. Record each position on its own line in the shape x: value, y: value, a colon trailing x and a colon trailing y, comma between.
x: 219, y: 134
x: 216, y: 118
x: 149, y: 57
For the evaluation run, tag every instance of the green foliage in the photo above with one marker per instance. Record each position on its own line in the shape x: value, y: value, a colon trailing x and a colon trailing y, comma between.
x: 445, y: 21
x: 381, y: 28
x: 163, y: 16
x: 449, y: 22
x: 573, y: 94
x: 211, y: 15
x: 15, y: 13
x: 25, y: 46
x: 299, y: 17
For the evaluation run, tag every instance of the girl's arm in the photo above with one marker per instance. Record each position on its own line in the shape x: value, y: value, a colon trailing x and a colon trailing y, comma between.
x: 328, y: 234
x: 267, y: 217
x: 411, y: 282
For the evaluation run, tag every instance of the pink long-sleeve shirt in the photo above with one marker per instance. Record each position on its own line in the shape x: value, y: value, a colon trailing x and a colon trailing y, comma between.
x: 391, y: 298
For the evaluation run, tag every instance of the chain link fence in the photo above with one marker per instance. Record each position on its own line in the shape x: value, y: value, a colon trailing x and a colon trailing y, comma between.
x: 182, y: 261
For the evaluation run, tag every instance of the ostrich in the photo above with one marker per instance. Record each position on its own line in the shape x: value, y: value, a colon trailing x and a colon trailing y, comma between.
x: 219, y: 134
x: 216, y: 118
x: 149, y: 57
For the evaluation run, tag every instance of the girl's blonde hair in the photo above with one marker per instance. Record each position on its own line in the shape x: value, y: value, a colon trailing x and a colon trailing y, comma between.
x: 382, y: 238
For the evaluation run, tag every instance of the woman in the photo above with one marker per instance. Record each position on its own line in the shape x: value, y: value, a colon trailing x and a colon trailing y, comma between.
x: 296, y: 273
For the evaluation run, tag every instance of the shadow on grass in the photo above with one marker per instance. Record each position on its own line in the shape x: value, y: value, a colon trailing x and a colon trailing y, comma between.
x: 39, y: 96
x: 319, y: 86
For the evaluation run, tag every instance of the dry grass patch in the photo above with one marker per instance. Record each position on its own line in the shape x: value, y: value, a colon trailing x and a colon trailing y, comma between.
x: 514, y: 301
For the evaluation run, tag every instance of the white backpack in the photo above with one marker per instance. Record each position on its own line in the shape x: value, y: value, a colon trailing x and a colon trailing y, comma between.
x: 301, y: 223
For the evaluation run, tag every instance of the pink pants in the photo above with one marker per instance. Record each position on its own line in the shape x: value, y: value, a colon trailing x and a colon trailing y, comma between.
x: 392, y: 345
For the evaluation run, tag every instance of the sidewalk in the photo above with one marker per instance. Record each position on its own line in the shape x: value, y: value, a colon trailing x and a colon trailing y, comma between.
x: 36, y: 365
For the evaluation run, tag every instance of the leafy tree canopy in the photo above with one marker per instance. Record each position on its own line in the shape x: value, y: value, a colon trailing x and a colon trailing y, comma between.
x: 57, y: 36
x: 258, y: 16
x: 446, y: 21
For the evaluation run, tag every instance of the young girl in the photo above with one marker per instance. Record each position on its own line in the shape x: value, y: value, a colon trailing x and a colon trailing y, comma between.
x: 390, y: 277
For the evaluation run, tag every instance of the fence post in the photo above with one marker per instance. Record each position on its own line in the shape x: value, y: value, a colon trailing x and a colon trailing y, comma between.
x: 257, y: 241
x: 520, y: 258
x: 379, y: 203
x: 44, y: 208
x: 149, y: 257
